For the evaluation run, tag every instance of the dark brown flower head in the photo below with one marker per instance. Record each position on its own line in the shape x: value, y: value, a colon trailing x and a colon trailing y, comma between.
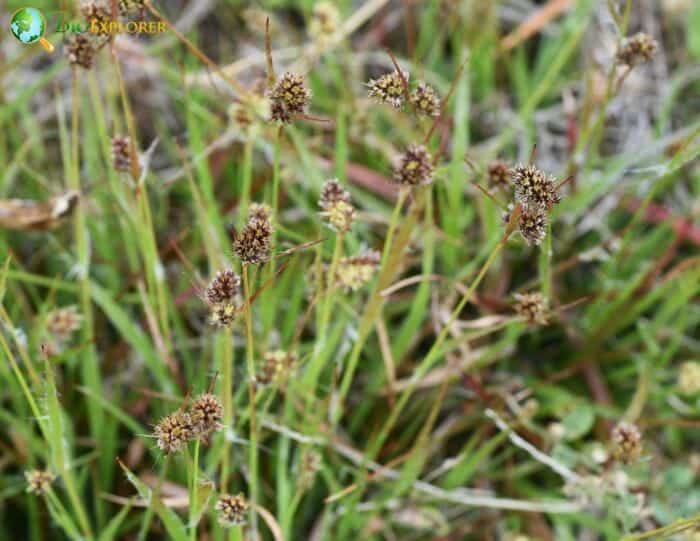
x: 206, y: 413
x: 253, y: 244
x: 626, y: 442
x: 63, y: 322
x: 275, y: 367
x: 637, y: 49
x: 414, y: 167
x: 38, y: 481
x: 289, y: 98
x: 174, y: 431
x: 223, y: 288
x: 534, y: 188
x: 232, y: 510
x: 354, y: 272
x: 532, y: 307
x: 425, y: 100
x: 121, y: 153
x: 389, y: 89
x: 81, y: 49
x: 532, y: 225
x: 336, y: 206
x: 98, y: 15
x: 499, y: 174
x: 223, y: 314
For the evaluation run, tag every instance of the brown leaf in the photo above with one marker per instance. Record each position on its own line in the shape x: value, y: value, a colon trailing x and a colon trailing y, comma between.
x: 32, y: 215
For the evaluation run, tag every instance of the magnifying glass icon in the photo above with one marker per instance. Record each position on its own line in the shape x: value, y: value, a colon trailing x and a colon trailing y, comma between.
x: 28, y: 25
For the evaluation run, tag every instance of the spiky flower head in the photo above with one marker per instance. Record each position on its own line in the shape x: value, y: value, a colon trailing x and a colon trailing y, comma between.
x: 121, y: 153
x: 223, y: 288
x: 637, y: 49
x: 232, y: 510
x: 354, y: 272
x: 254, y: 242
x: 532, y: 307
x: 63, y: 322
x: 689, y: 378
x: 81, y: 49
x: 336, y: 206
x: 425, y: 100
x: 206, y: 413
x: 324, y: 21
x: 532, y: 225
x: 174, y: 431
x: 534, y: 188
x: 259, y: 211
x: 414, y: 167
x: 499, y: 174
x: 389, y: 88
x: 289, y: 98
x: 39, y: 481
x: 223, y: 314
x: 275, y: 367
x: 627, y: 442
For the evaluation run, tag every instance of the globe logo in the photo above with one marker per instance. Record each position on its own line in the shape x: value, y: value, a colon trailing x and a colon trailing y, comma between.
x: 28, y: 25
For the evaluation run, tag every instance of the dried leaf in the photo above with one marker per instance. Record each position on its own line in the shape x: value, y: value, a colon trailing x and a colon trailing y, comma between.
x: 32, y: 215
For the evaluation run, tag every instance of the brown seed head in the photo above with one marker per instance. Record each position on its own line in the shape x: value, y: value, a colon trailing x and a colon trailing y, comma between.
x: 310, y: 464
x: 354, y: 272
x: 532, y: 307
x: 626, y: 442
x: 336, y: 207
x: 289, y: 98
x: 131, y: 6
x: 389, y: 89
x: 223, y: 288
x: 223, y: 314
x: 259, y: 211
x: 174, y: 431
x: 275, y: 367
x: 81, y: 49
x: 425, y: 100
x: 499, y: 174
x: 63, y: 322
x: 121, y: 153
x: 38, y: 481
x: 532, y: 225
x: 232, y: 510
x: 414, y: 167
x: 253, y: 244
x: 206, y: 413
x: 637, y: 49
x: 534, y: 188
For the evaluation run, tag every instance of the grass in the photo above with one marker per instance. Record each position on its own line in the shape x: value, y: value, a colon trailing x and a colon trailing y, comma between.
x: 419, y: 404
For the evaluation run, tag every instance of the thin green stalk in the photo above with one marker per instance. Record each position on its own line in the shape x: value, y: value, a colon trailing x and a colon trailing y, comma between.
x: 146, y: 525
x: 193, y: 492
x: 226, y: 369
x: 393, y: 251
x: 253, y: 444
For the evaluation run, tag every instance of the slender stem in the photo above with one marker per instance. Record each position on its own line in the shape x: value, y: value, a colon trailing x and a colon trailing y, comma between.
x: 148, y: 516
x: 253, y: 444
x: 328, y: 302
x: 227, y: 399
x: 193, y: 492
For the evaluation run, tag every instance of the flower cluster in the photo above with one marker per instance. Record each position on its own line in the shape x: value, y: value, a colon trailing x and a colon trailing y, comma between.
x: 289, y: 98
x: 636, y: 49
x: 222, y: 295
x: 121, y: 153
x: 324, y: 22
x: 425, y: 100
x: 414, y: 167
x: 254, y: 242
x: 499, y: 174
x: 38, y: 481
x: 61, y: 323
x: 232, y: 510
x: 275, y: 367
x: 689, y: 378
x: 626, y: 442
x: 393, y: 88
x: 336, y: 206
x: 532, y: 307
x: 355, y: 271
x: 201, y: 420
